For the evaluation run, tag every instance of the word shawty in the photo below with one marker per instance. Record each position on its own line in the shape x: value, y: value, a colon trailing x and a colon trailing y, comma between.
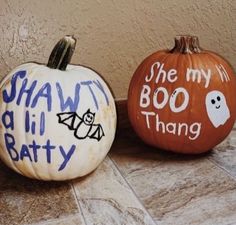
x: 24, y: 91
x: 30, y: 94
x: 178, y: 99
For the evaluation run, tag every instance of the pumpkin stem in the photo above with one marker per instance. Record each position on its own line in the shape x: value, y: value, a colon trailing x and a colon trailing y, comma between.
x: 62, y: 52
x: 186, y: 44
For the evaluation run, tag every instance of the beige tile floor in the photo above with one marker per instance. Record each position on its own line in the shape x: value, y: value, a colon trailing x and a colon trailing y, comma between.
x: 135, y: 184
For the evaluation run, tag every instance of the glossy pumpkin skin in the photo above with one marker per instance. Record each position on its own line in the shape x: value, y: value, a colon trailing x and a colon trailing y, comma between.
x: 33, y: 142
x: 173, y: 137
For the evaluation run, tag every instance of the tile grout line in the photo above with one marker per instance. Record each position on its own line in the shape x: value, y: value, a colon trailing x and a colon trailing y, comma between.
x: 136, y: 196
x: 221, y: 168
x: 77, y: 201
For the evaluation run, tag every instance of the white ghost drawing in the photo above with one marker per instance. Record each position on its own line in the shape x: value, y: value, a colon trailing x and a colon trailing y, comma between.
x: 217, y: 109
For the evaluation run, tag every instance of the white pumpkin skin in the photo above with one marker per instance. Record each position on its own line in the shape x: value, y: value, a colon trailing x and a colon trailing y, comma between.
x: 33, y: 142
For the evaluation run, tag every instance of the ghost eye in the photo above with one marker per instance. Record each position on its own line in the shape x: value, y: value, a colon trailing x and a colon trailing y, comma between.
x: 213, y: 101
x: 218, y: 98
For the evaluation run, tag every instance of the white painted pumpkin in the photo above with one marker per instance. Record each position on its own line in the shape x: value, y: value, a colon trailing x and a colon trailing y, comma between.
x: 55, y: 124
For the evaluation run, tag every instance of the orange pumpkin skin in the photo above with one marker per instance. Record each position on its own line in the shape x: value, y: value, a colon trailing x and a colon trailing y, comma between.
x: 183, y: 100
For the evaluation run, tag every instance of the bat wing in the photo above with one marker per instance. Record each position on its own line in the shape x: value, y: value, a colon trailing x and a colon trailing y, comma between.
x: 96, y: 132
x: 70, y: 119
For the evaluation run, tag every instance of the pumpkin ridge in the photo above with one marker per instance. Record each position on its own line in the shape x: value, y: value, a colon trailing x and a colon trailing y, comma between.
x: 218, y: 59
x: 154, y: 86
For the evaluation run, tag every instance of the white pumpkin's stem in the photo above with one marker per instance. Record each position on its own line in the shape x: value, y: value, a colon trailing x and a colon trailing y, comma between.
x: 62, y: 53
x: 186, y: 44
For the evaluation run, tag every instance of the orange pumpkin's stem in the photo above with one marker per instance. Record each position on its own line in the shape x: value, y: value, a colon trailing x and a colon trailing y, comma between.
x: 62, y: 53
x: 186, y: 44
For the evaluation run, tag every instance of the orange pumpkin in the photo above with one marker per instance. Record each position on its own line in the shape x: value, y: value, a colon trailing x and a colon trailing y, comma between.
x: 184, y: 99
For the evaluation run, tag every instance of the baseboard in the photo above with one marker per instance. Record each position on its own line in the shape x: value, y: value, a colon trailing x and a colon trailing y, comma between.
x: 122, y: 115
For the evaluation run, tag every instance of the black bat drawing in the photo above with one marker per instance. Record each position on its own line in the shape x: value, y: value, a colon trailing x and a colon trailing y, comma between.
x: 84, y: 126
